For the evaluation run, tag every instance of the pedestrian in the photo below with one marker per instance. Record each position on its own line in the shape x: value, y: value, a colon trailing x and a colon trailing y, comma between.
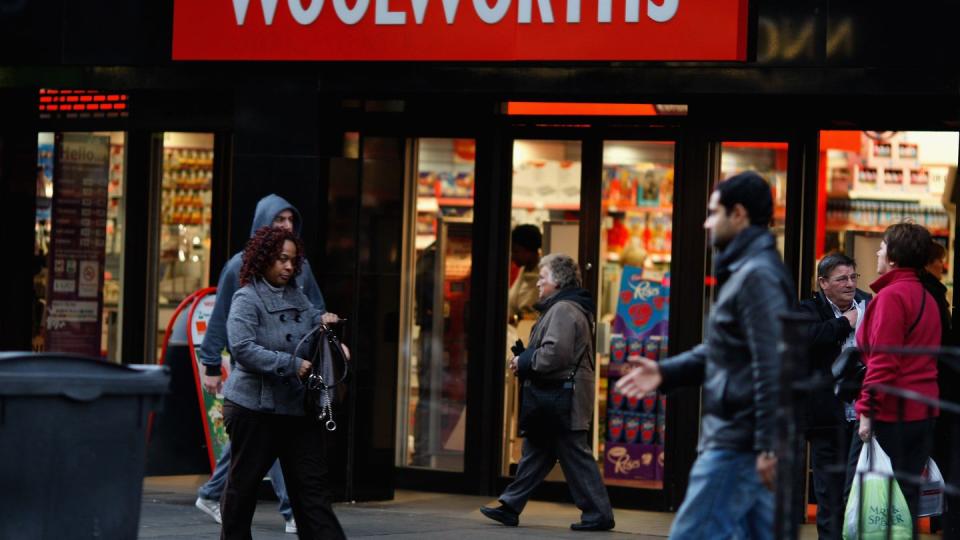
x: 525, y: 243
x: 561, y: 344
x: 903, y: 314
x: 270, y: 210
x: 730, y: 489
x: 830, y: 424
x: 264, y: 397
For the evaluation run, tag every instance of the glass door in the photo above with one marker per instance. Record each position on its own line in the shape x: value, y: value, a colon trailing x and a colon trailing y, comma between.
x: 636, y: 247
x: 432, y: 407
x: 544, y: 218
x: 186, y: 197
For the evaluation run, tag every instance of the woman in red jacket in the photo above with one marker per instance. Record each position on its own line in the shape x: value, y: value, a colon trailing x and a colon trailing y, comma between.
x: 902, y: 314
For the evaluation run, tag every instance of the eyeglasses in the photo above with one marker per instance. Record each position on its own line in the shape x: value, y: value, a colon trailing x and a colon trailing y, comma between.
x: 852, y: 278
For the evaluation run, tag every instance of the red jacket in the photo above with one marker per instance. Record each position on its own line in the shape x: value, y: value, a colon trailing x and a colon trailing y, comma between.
x: 888, y: 317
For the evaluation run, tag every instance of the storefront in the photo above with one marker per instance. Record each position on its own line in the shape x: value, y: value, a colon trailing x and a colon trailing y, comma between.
x: 412, y: 170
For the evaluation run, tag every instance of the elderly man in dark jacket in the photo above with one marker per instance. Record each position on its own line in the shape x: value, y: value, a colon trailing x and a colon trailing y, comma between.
x: 830, y: 423
x: 738, y: 365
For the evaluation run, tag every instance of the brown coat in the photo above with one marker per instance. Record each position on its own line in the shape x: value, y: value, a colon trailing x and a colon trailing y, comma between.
x: 560, y: 337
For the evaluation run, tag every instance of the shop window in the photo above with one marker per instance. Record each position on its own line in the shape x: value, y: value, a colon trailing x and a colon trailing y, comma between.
x: 769, y: 159
x: 545, y: 210
x: 869, y: 180
x: 184, y: 229
x: 78, y: 259
x: 433, y: 374
x: 636, y: 244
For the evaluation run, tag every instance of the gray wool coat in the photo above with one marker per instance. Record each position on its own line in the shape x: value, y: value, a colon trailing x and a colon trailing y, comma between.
x: 560, y: 337
x: 263, y: 330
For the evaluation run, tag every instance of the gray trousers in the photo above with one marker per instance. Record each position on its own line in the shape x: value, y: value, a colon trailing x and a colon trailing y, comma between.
x: 579, y: 468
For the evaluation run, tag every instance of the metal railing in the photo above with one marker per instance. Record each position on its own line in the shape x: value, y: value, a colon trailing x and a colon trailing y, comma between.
x: 797, y: 383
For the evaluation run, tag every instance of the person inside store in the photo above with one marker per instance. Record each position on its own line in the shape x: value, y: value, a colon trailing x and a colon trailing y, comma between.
x: 730, y: 492
x: 264, y: 397
x: 424, y: 285
x: 275, y: 211
x: 525, y: 243
x: 947, y: 430
x: 936, y: 265
x: 560, y: 348
x: 829, y: 422
x: 902, y: 314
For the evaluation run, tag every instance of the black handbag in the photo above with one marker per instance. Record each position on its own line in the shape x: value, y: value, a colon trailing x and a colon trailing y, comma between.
x: 326, y: 356
x: 546, y: 406
x: 848, y: 369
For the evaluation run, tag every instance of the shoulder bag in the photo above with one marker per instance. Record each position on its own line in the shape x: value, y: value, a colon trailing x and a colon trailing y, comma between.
x: 546, y: 405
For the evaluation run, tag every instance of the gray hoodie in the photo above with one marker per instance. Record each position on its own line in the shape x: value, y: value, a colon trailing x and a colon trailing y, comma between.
x: 216, y: 338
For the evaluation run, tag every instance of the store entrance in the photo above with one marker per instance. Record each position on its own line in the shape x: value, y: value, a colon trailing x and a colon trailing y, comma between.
x: 606, y: 199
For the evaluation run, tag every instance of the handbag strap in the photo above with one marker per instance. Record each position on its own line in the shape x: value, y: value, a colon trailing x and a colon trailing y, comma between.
x: 923, y: 303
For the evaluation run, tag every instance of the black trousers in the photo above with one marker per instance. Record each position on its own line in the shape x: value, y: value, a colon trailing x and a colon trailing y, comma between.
x: 909, y: 445
x: 257, y: 439
x: 829, y: 451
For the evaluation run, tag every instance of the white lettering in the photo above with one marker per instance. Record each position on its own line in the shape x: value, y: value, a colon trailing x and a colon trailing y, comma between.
x: 450, y: 10
x: 351, y: 16
x: 419, y: 8
x: 491, y: 15
x: 604, y: 11
x: 525, y: 8
x: 632, y: 11
x: 573, y: 11
x: 269, y: 9
x: 305, y: 16
x: 663, y: 12
x: 383, y: 14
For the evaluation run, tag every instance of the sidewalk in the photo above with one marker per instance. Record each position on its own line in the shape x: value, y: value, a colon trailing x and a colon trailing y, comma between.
x: 168, y: 512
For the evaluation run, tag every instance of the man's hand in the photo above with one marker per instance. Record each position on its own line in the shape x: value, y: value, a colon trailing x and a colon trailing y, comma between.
x: 330, y: 318
x: 852, y: 316
x: 213, y: 384
x: 513, y: 365
x: 304, y: 370
x: 865, y: 431
x: 643, y: 378
x: 767, y: 469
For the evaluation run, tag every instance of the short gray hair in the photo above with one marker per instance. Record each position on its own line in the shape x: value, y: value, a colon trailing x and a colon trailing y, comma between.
x: 564, y: 271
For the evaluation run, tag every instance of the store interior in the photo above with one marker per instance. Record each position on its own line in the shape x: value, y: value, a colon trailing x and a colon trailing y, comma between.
x: 184, y: 230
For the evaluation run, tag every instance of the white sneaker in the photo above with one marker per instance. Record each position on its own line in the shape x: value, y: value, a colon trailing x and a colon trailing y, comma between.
x: 209, y: 507
x: 291, y: 526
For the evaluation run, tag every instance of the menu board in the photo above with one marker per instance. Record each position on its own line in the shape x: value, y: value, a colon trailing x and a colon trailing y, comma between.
x: 76, y: 258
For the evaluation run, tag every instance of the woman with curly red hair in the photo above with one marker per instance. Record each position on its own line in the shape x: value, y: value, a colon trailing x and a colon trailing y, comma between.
x: 264, y: 398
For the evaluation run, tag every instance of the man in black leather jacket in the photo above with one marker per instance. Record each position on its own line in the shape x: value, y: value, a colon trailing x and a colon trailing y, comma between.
x: 830, y: 424
x: 738, y: 366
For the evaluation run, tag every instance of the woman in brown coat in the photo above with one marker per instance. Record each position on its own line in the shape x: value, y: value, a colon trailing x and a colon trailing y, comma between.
x: 561, y: 342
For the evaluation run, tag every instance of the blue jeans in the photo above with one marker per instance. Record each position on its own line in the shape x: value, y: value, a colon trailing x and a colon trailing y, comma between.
x: 213, y: 489
x: 725, y: 499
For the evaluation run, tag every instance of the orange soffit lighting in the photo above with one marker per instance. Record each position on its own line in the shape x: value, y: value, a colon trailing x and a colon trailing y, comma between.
x: 536, y: 108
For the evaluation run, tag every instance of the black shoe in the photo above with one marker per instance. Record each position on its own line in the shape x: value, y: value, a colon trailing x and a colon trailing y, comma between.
x: 503, y: 513
x: 604, y: 525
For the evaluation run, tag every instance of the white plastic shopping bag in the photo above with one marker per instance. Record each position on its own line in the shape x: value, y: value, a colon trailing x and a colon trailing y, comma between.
x: 875, y: 483
x: 931, y: 492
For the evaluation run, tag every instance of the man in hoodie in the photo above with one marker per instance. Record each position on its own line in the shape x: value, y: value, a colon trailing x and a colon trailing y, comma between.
x: 738, y: 366
x: 276, y: 211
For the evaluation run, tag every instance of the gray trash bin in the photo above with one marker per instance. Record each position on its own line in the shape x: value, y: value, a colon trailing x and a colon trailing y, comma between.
x: 73, y: 432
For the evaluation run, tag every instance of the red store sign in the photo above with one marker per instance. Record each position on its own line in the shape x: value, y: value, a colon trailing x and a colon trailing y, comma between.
x: 460, y: 30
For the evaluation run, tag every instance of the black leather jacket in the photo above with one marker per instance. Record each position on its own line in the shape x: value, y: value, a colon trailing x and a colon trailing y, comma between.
x: 738, y: 364
x: 822, y: 408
